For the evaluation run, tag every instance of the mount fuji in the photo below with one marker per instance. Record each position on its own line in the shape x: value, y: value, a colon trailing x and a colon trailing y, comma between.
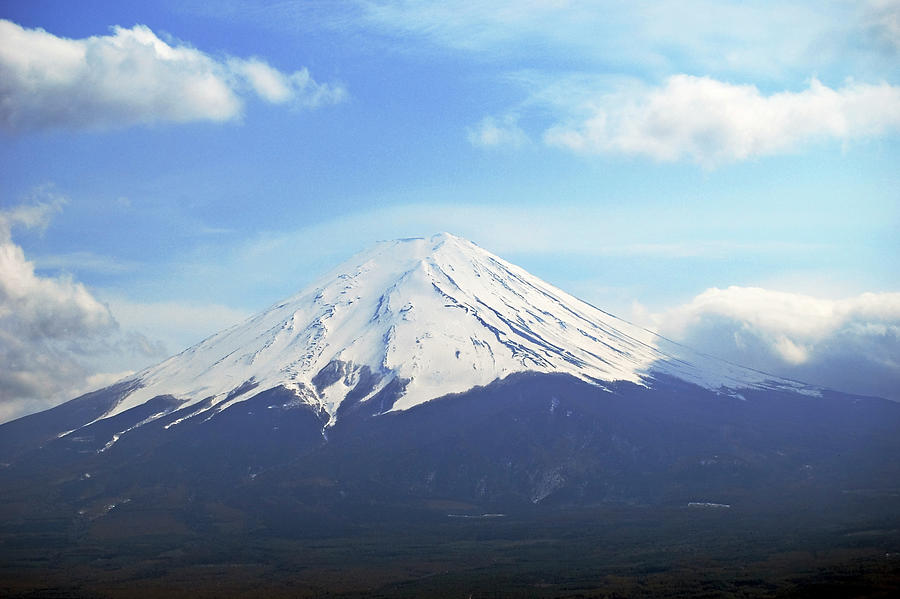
x: 426, y: 418
x: 411, y: 320
x: 429, y: 368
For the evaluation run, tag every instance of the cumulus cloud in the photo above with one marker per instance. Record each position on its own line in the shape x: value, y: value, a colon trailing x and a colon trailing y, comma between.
x: 133, y: 77
x: 850, y: 345
x: 50, y: 327
x: 712, y: 122
x: 38, y: 307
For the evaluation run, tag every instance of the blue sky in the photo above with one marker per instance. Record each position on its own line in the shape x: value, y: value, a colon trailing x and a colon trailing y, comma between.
x: 724, y: 172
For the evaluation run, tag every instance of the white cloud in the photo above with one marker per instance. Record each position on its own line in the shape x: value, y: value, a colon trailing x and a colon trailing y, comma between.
x: 39, y: 307
x: 51, y: 328
x: 266, y: 81
x: 277, y: 87
x: 712, y: 122
x: 58, y: 340
x: 46, y: 307
x: 31, y: 216
x: 45, y: 323
x: 851, y: 344
x: 132, y: 77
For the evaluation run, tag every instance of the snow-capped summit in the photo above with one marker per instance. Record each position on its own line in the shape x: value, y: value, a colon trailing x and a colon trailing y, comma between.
x: 430, y: 316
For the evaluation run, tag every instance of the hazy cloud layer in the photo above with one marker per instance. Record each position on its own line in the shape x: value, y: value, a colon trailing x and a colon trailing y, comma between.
x: 132, y: 77
x: 177, y: 325
x: 883, y: 20
x: 85, y: 262
x: 50, y: 327
x: 711, y: 36
x: 851, y: 344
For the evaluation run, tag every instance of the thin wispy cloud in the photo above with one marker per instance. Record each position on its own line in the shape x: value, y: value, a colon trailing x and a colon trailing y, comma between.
x: 281, y: 262
x: 131, y: 77
x: 774, y: 42
x: 492, y: 132
x: 882, y: 17
x: 649, y: 37
x: 85, y: 262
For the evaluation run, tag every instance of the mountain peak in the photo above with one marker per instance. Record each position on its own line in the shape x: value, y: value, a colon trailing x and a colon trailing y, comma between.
x: 426, y: 244
x: 434, y: 240
x: 410, y: 320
